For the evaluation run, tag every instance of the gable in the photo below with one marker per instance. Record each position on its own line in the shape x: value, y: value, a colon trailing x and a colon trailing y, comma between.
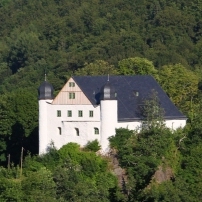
x: 71, y: 94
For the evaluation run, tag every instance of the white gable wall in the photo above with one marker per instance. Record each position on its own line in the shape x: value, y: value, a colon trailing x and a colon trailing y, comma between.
x: 68, y: 125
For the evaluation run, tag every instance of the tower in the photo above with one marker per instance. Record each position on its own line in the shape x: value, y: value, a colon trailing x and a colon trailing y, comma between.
x: 108, y: 107
x: 45, y: 97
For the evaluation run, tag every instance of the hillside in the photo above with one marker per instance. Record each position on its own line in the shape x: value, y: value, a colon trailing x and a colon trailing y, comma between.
x: 60, y: 36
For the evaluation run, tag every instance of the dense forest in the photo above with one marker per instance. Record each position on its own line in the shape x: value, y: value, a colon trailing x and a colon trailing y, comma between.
x: 94, y: 37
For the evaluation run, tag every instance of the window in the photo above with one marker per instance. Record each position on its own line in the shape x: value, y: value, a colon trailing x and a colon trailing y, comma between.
x: 69, y: 113
x: 71, y: 84
x: 80, y: 113
x: 96, y: 131
x: 59, y: 131
x: 58, y: 113
x: 77, y: 131
x: 90, y: 113
x: 71, y: 95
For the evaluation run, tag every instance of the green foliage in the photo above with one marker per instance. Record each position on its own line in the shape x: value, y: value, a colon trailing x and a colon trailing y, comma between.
x: 67, y: 37
x: 121, y: 138
x: 136, y: 65
x: 152, y: 112
x: 99, y: 67
x: 19, y: 112
x: 50, y: 160
x: 39, y: 185
x: 74, y: 174
x: 26, y: 50
x: 79, y: 187
x: 141, y: 154
x: 92, y: 146
x: 10, y: 186
x: 180, y: 84
x: 10, y: 190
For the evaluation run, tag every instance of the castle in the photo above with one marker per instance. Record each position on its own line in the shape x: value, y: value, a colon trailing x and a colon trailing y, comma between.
x: 92, y: 107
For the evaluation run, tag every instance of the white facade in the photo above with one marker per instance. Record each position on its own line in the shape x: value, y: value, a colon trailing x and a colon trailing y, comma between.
x: 74, y: 119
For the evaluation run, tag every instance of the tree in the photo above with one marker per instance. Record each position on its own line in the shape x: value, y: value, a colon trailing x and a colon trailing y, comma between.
x: 19, y: 112
x: 99, y: 67
x: 137, y: 65
x: 39, y: 185
x: 152, y: 112
x: 26, y: 50
x: 180, y: 84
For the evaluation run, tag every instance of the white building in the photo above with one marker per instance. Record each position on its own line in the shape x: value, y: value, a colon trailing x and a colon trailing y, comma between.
x: 91, y: 107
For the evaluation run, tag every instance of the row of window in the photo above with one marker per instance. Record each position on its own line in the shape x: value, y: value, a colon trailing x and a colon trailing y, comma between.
x: 96, y: 131
x: 69, y: 113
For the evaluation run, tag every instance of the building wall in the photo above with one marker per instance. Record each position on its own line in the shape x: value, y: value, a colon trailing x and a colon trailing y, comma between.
x: 174, y: 124
x: 62, y: 130
x: 135, y: 125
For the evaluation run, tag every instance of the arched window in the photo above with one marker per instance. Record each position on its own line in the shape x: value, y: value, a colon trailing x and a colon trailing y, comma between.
x: 96, y: 131
x: 77, y: 131
x: 59, y: 131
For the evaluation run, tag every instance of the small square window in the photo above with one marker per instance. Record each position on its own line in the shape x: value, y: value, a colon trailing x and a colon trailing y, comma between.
x: 90, y: 113
x: 80, y: 113
x: 58, y: 113
x: 69, y: 113
x: 71, y: 84
x: 96, y: 131
x: 71, y: 95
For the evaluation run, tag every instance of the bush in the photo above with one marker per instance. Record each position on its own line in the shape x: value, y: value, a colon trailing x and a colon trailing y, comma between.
x: 92, y: 146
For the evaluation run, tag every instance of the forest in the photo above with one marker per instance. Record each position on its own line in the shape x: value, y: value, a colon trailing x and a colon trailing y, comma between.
x: 61, y: 38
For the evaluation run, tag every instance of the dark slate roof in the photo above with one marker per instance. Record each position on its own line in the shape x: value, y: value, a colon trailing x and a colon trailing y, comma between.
x: 45, y: 91
x: 127, y: 88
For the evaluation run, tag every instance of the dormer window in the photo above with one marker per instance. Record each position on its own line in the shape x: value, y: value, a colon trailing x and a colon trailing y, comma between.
x: 71, y: 84
x: 136, y: 93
